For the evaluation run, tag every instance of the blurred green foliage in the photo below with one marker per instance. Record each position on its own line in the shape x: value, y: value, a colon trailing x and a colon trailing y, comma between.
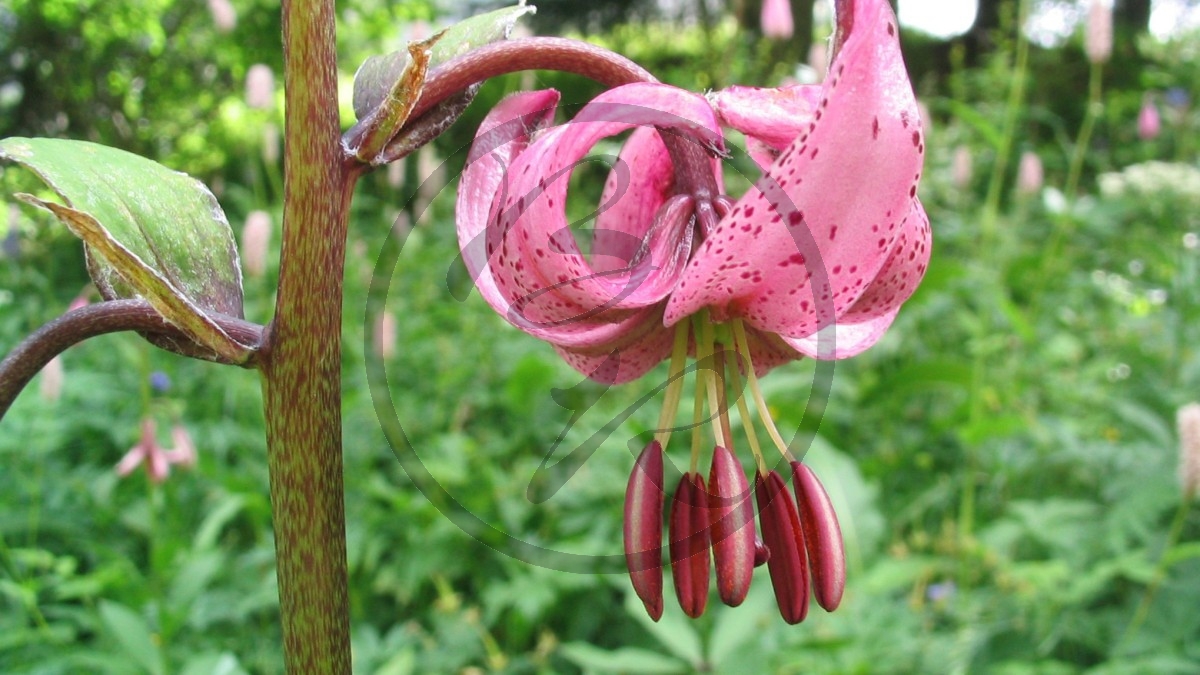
x: 1003, y: 462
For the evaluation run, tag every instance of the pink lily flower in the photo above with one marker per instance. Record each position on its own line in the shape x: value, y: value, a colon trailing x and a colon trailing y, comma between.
x: 842, y: 164
x: 815, y: 259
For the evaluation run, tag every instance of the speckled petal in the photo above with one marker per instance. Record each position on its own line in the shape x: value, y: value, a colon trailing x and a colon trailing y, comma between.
x: 506, y: 133
x: 902, y: 272
x: 770, y: 118
x: 626, y: 359
x: 798, y: 251
x: 638, y: 184
x: 538, y: 266
x: 843, y: 339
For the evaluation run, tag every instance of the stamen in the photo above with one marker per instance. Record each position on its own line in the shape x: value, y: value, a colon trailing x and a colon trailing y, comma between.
x: 697, y: 419
x: 744, y: 411
x: 666, y: 417
x: 719, y: 365
x: 764, y: 413
x: 704, y: 350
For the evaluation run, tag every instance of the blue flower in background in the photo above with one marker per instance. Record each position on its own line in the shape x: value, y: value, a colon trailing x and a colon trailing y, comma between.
x: 940, y: 592
x: 11, y: 244
x: 1177, y: 97
x: 160, y: 382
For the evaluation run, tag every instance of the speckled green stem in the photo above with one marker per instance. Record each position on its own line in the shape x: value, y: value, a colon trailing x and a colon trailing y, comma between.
x: 301, y: 358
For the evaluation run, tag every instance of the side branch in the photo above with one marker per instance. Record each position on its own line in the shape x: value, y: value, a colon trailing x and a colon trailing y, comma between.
x: 32, y: 354
x: 537, y: 53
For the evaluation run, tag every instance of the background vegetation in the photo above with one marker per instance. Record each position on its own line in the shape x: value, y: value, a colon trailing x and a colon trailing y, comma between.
x: 1004, y: 461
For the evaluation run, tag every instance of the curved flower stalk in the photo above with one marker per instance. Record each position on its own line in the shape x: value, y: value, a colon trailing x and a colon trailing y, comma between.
x: 814, y: 260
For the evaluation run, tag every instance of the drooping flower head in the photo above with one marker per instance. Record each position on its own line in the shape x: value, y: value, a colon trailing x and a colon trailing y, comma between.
x: 814, y: 259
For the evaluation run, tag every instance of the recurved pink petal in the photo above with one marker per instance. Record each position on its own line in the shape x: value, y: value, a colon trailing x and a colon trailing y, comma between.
x: 844, y: 338
x: 775, y: 117
x: 638, y: 184
x: 539, y: 264
x: 626, y: 358
x: 902, y: 272
x: 868, y: 319
x: 800, y: 249
x: 504, y: 133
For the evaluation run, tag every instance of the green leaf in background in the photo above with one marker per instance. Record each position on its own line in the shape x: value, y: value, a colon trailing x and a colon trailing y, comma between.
x: 378, y: 74
x: 132, y: 633
x: 214, y: 664
x: 674, y: 630
x: 149, y: 232
x: 593, y: 659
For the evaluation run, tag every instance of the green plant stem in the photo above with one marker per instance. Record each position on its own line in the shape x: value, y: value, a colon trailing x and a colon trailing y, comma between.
x: 301, y: 359
x: 1012, y: 113
x: 1160, y: 574
x: 1063, y: 222
x: 1094, y: 106
x: 987, y: 247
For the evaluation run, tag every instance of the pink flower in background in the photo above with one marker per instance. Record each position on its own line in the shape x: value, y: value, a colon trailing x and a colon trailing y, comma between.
x: 961, y: 167
x: 256, y: 243
x: 777, y: 19
x: 224, y: 15
x: 385, y: 335
x: 1149, y: 123
x: 146, y: 453
x: 184, y: 452
x: 53, y: 377
x: 157, y: 459
x: 260, y: 87
x: 1098, y: 40
x: 814, y: 260
x: 1030, y: 174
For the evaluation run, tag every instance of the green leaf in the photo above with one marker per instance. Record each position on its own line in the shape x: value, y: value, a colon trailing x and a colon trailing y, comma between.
x: 674, y: 630
x: 626, y: 660
x: 149, y: 232
x: 214, y: 664
x: 379, y: 74
x: 134, y: 636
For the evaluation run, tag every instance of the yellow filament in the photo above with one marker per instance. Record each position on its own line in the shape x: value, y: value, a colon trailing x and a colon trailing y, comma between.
x: 711, y: 378
x: 744, y: 411
x: 697, y: 416
x: 743, y: 347
x: 666, y: 417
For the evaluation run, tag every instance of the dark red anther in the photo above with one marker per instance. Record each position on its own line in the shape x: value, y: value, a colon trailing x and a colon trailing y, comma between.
x: 732, y: 527
x: 643, y: 528
x: 689, y: 544
x: 785, y: 539
x: 761, y: 553
x: 822, y: 537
